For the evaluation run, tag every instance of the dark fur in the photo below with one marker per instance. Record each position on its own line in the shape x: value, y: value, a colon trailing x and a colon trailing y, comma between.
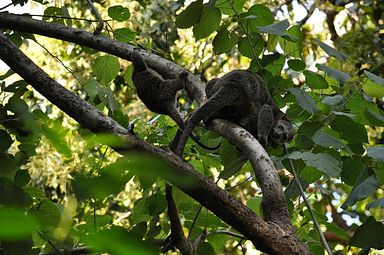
x: 158, y: 94
x: 243, y: 98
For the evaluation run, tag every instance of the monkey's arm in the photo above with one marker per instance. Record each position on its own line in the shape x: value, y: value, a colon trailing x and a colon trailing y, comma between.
x: 265, y: 121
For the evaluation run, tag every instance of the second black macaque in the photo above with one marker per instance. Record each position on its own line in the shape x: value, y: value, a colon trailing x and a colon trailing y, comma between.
x: 159, y: 94
x: 243, y: 98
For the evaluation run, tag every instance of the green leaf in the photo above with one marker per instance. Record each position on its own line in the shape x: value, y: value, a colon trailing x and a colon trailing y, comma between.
x: 205, y: 248
x: 331, y: 51
x: 314, y: 80
x: 22, y: 178
x: 6, y: 141
x: 379, y: 203
x: 124, y: 35
x: 369, y: 234
x: 156, y: 204
x: 15, y: 224
x: 361, y: 191
x: 332, y: 100
x: 56, y: 136
x: 278, y: 28
x: 254, y: 203
x: 304, y: 100
x: 292, y: 48
x: 296, y: 64
x: 118, y: 242
x: 349, y: 130
x: 106, y: 68
x: 12, y: 195
x: 374, y: 86
x: 376, y: 152
x: 209, y: 22
x: 232, y: 160
x: 48, y: 214
x: 230, y: 7
x: 191, y: 15
x: 326, y: 140
x: 374, y: 78
x: 339, y: 76
x: 321, y: 161
x: 119, y: 13
x: 20, y: 247
x: 375, y: 118
x: 224, y: 41
x: 352, y: 169
x: 272, y: 42
x: 251, y: 48
x: 258, y: 15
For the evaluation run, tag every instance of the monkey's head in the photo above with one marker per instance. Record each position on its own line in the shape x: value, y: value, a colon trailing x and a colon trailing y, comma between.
x: 282, y: 131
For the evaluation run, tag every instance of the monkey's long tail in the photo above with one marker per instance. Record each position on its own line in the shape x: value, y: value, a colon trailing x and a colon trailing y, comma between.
x: 180, y: 122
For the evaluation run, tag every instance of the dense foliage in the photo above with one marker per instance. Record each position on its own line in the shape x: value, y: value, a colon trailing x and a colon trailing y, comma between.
x: 64, y: 190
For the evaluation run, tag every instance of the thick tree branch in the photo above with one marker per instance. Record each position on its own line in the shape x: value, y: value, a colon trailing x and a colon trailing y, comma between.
x: 267, y: 236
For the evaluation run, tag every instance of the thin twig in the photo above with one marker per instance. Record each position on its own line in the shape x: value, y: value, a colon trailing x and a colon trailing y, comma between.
x: 317, y: 225
x: 95, y: 12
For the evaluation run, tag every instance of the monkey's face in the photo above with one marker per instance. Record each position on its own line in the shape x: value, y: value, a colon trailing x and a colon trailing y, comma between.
x: 282, y: 131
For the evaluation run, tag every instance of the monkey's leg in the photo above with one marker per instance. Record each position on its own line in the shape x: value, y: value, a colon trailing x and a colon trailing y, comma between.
x: 265, y: 121
x: 223, y: 97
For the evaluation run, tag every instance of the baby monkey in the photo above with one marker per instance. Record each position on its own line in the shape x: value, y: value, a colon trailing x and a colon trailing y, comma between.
x: 243, y: 98
x: 158, y: 94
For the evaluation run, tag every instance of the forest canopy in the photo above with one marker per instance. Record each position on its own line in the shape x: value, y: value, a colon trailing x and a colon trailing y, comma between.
x: 87, y: 168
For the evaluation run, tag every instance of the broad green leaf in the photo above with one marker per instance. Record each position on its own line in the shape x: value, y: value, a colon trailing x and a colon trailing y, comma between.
x: 106, y: 68
x: 22, y: 178
x: 119, y: 13
x: 19, y: 247
x: 369, y: 234
x: 218, y: 241
x: 232, y: 160
x: 340, y: 76
x: 349, y: 130
x: 292, y: 48
x: 376, y: 152
x: 91, y: 87
x: 321, y: 161
x: 296, y: 64
x: 272, y: 42
x: 209, y: 22
x: 205, y: 248
x: 12, y: 195
x: 118, y: 241
x: 362, y: 191
x: 156, y: 204
x: 224, y: 41
x: 124, y: 35
x: 278, y: 28
x: 326, y: 140
x: 48, y: 214
x: 375, y: 118
x: 332, y: 100
x: 57, y: 136
x: 374, y: 78
x: 15, y: 224
x: 6, y: 141
x: 304, y: 100
x: 273, y: 63
x: 251, y: 48
x: 258, y: 15
x: 191, y: 15
x: 140, y: 229
x: 373, y: 89
x: 230, y: 7
x: 254, y: 203
x: 314, y: 80
x: 379, y: 203
x: 331, y: 51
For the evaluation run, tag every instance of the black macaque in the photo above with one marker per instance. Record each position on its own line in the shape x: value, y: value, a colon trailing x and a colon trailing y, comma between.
x: 243, y: 98
x: 159, y: 94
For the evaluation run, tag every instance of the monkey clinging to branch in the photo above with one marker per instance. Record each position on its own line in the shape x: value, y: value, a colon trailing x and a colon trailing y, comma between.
x: 243, y: 98
x: 158, y: 94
